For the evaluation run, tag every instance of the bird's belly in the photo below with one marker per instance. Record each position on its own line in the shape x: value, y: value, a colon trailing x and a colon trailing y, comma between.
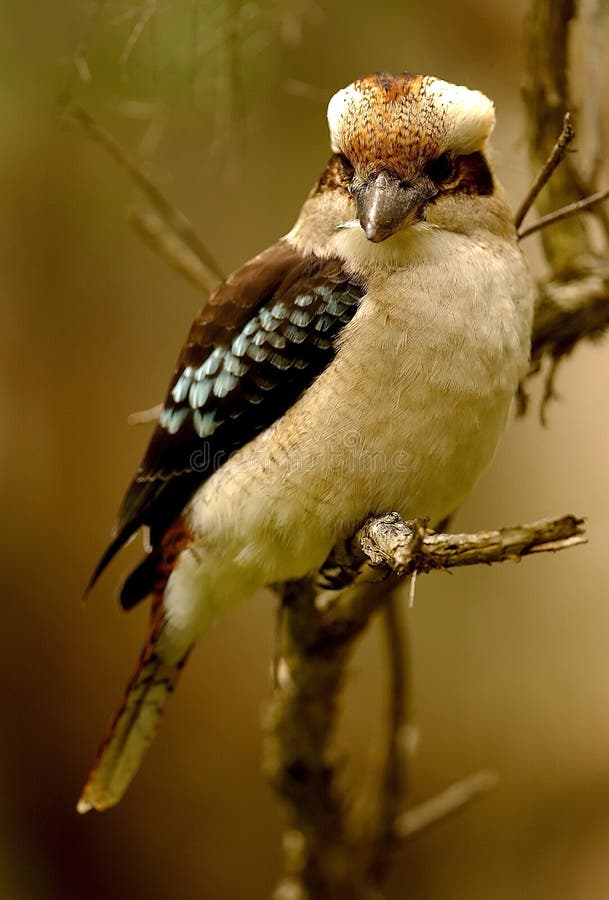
x: 405, y: 418
x: 414, y: 448
x: 374, y: 434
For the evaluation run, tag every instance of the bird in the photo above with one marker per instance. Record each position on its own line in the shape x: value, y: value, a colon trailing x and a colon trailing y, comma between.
x: 366, y: 362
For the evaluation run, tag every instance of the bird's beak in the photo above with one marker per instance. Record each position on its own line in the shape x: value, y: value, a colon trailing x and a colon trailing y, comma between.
x: 385, y: 203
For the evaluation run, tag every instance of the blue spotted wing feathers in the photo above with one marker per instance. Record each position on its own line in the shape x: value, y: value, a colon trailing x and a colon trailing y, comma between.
x: 263, y: 337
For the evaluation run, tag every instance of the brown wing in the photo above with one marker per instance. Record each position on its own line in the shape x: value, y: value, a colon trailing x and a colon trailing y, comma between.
x: 265, y: 334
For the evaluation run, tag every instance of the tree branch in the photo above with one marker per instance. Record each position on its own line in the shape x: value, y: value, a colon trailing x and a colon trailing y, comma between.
x: 570, y: 311
x: 388, y: 544
x: 573, y: 304
x: 320, y: 848
x: 546, y: 96
x: 175, y: 220
x: 557, y: 154
x: 391, y: 795
x: 145, y: 12
x: 564, y: 213
x: 326, y: 855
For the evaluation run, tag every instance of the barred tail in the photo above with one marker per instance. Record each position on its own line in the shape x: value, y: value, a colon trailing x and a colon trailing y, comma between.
x: 132, y: 730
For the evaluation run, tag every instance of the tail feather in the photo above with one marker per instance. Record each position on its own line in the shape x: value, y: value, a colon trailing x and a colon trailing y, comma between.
x: 131, y: 732
x: 137, y: 720
x: 139, y: 584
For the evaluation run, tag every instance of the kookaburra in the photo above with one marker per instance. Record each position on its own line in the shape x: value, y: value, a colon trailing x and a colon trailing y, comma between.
x: 365, y: 363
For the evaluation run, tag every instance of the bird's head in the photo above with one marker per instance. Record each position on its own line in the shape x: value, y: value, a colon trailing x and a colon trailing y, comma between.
x: 403, y: 142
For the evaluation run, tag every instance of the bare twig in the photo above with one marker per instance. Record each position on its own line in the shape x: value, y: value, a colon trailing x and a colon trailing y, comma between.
x: 171, y: 248
x: 194, y: 49
x: 591, y: 115
x: 175, y: 220
x: 293, y: 16
x: 321, y: 858
x: 439, y: 808
x: 569, y: 311
x: 146, y: 10
x: 306, y: 91
x: 92, y: 13
x: 574, y: 304
x: 230, y: 110
x: 402, y: 547
x: 395, y: 773
x: 393, y: 786
x: 565, y: 212
x: 591, y: 14
x: 557, y: 154
x: 547, y: 99
x: 549, y: 391
x: 587, y: 189
x: 145, y: 416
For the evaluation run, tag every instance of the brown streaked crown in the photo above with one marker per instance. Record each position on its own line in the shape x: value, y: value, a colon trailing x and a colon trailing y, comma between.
x: 400, y: 122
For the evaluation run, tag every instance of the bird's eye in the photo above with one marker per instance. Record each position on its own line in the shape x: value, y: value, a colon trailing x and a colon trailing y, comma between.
x: 441, y: 169
x: 345, y: 163
x: 347, y: 171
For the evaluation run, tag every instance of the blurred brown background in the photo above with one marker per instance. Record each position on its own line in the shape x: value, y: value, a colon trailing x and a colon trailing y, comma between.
x: 511, y: 669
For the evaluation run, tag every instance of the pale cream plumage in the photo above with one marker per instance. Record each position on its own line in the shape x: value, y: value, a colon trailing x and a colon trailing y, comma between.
x: 409, y: 411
